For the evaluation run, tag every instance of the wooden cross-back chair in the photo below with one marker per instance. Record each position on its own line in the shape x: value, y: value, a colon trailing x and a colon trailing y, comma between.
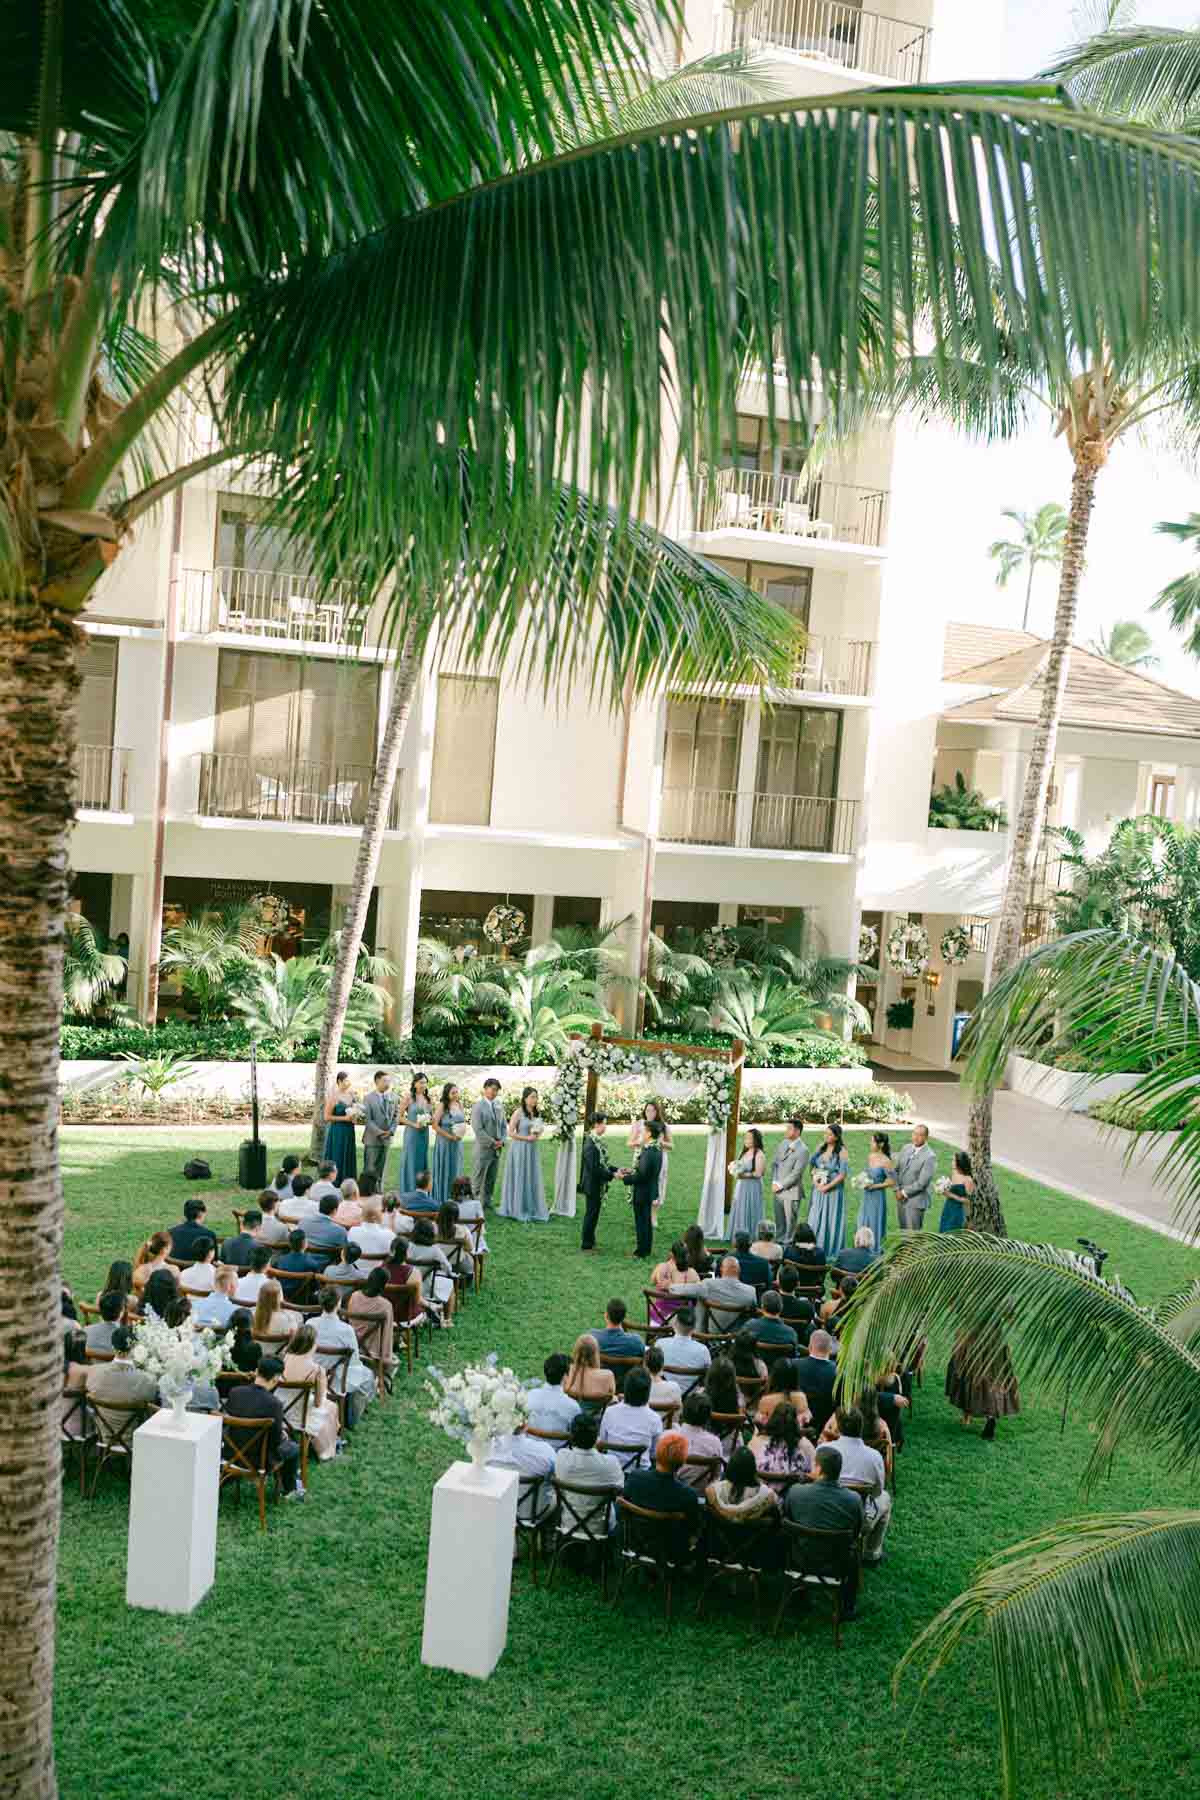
x: 246, y: 1456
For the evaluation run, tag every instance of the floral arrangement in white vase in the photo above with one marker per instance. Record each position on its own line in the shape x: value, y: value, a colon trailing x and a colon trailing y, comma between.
x: 478, y: 1403
x: 178, y: 1358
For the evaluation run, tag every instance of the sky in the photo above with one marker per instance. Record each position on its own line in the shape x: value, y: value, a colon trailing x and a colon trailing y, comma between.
x: 1127, y: 563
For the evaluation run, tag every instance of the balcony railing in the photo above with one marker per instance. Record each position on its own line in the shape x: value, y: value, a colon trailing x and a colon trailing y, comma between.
x: 835, y: 665
x: 102, y: 779
x: 790, y: 506
x: 284, y: 790
x: 836, y: 32
x: 723, y: 816
x: 267, y: 603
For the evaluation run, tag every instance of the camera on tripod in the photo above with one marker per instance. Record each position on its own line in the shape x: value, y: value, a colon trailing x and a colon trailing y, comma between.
x: 1095, y: 1254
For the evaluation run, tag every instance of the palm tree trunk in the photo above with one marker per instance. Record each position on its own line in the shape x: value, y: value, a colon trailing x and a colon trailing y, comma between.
x: 1028, y: 594
x: 1090, y: 456
x: 366, y: 866
x: 39, y: 682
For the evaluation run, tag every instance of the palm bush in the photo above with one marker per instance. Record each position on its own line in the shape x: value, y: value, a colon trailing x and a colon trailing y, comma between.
x: 1145, y: 881
x: 285, y: 1002
x: 213, y: 955
x: 89, y: 973
x: 544, y: 1005
x: 958, y: 807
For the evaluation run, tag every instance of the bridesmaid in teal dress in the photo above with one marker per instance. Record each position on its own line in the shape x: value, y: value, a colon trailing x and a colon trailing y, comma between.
x: 827, y: 1211
x: 523, y: 1195
x: 447, y: 1145
x: 340, y: 1146
x: 958, y: 1195
x: 881, y: 1175
x: 747, y: 1214
x: 416, y: 1137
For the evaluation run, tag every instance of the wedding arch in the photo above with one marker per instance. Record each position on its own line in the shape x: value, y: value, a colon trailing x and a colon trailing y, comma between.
x: 672, y: 1067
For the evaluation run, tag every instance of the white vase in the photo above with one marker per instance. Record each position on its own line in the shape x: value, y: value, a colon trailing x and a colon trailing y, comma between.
x: 479, y: 1444
x: 179, y: 1405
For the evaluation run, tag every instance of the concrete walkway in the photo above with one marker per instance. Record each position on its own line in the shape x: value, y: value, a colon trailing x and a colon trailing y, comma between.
x: 1066, y: 1150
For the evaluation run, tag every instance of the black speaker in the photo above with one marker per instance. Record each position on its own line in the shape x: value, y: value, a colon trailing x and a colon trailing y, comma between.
x: 252, y: 1165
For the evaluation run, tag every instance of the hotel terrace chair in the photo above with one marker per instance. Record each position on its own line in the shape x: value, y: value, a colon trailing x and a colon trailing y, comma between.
x: 646, y: 1546
x: 581, y: 1518
x: 246, y: 1456
x: 820, y: 1561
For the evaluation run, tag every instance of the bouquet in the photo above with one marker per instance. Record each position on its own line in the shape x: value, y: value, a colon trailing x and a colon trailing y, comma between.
x: 942, y: 1185
x: 734, y: 1166
x: 421, y: 1119
x: 481, y: 1402
x: 176, y: 1355
x: 459, y: 1128
x: 358, y: 1112
x: 861, y: 1180
x: 536, y: 1127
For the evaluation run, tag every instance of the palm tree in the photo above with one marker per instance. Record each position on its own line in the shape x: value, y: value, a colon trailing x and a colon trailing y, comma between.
x: 89, y: 973
x: 767, y: 1009
x: 1041, y: 538
x: 1127, y: 644
x: 1180, y: 599
x: 544, y: 1005
x: 214, y: 955
x: 367, y: 252
x: 1081, y: 1614
x: 286, y: 1001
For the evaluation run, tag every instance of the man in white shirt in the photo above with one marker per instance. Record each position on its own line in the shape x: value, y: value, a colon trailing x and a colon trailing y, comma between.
x: 687, y: 1360
x: 326, y: 1183
x: 529, y: 1456
x: 630, y: 1421
x: 300, y: 1205
x: 549, y: 1408
x: 372, y: 1236
x: 862, y: 1464
x: 585, y: 1466
x: 216, y: 1309
x: 246, y: 1291
x: 727, y: 1293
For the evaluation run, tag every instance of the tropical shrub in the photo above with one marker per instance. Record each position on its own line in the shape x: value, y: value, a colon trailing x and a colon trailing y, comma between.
x: 960, y: 808
x: 90, y: 974
x: 901, y: 1014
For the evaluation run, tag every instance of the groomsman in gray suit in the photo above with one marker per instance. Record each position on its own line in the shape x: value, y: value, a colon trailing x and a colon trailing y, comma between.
x: 489, y: 1130
x: 915, y: 1169
x: 379, y: 1127
x: 787, y: 1176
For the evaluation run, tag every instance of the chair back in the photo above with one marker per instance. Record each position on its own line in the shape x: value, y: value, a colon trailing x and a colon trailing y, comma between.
x: 296, y: 1397
x: 740, y: 1543
x: 630, y: 1456
x: 820, y: 1554
x: 116, y: 1422
x: 732, y: 1429
x: 99, y: 1356
x: 405, y: 1306
x: 773, y: 1353
x: 336, y: 1364
x: 619, y: 1367
x: 245, y: 1447
x: 274, y: 1343
x: 297, y: 1284
x: 751, y: 1388
x: 647, y: 1535
x: 74, y: 1420
x: 700, y: 1471
x: 561, y: 1438
x: 666, y: 1410
x: 724, y: 1318
x: 374, y: 1334
x: 583, y: 1510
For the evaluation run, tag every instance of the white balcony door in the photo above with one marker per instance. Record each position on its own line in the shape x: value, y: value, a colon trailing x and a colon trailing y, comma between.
x: 701, y: 769
x: 292, y: 724
x: 464, y: 750
x: 798, y: 757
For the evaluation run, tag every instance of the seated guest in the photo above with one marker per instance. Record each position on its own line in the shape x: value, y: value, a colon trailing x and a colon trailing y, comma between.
x: 321, y: 1416
x: 727, y: 1292
x: 323, y: 1236
x: 270, y: 1318
x: 249, y: 1286
x: 720, y: 1384
x: 739, y: 1494
x: 783, y: 1386
x: 216, y: 1309
x: 99, y: 1335
x: 271, y: 1228
x: 75, y: 1374
x: 200, y: 1276
x: 629, y: 1421
x: 301, y: 1205
x: 420, y: 1198
x: 779, y: 1448
x: 823, y: 1505
x: 372, y: 1236
x: 550, y: 1409
x: 455, y: 1239
x: 875, y: 1430
x: 150, y: 1258
x: 662, y: 1391
x: 529, y: 1456
x: 771, y: 1328
x: 862, y: 1255
x: 613, y: 1339
x: 159, y: 1292
x: 748, y: 1366
x: 403, y: 1285
x: 804, y: 1248
x: 349, y: 1209
x: 794, y: 1309
x: 336, y: 1333
x: 687, y: 1360
x: 288, y: 1167
x: 586, y: 1381
x: 765, y: 1244
x: 346, y: 1271
x: 370, y: 1313
x: 755, y: 1271
x: 817, y: 1375
x: 325, y: 1187
x: 192, y: 1231
x: 257, y: 1400
x: 583, y: 1465
x: 697, y: 1252
x: 119, y: 1280
x: 120, y: 1381
x: 660, y: 1490
x: 433, y: 1265
x: 296, y: 1259
x: 470, y: 1211
x: 701, y: 1440
x: 862, y: 1464
x: 368, y: 1186
x: 237, y: 1251
x: 244, y: 1353
x: 666, y: 1276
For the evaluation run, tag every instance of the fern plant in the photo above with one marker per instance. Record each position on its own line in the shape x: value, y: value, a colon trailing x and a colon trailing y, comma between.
x: 963, y: 808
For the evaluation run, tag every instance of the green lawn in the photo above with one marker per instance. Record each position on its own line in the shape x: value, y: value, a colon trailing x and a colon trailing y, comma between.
x: 301, y: 1673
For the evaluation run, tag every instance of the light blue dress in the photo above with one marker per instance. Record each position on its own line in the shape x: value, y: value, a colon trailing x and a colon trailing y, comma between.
x: 522, y: 1195
x: 873, y: 1211
x: 747, y: 1214
x: 447, y: 1158
x: 827, y: 1212
x: 416, y: 1147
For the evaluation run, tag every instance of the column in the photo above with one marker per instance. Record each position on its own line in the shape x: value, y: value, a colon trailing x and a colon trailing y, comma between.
x: 469, y: 1571
x: 542, y: 923
x: 747, y: 771
x: 399, y: 925
x: 172, y: 1555
x: 141, y: 891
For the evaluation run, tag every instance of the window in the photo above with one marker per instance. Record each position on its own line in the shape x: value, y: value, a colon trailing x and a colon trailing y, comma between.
x: 289, y: 715
x: 789, y: 588
x: 464, y: 750
x: 751, y: 448
x: 1162, y: 796
x: 244, y: 543
x: 794, y: 804
x: 98, y: 694
x: 704, y: 747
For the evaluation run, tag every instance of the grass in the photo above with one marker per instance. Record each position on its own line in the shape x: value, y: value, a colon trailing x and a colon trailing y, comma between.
x: 301, y: 1670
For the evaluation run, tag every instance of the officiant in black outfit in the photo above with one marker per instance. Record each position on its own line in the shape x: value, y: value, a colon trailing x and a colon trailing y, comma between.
x: 595, y: 1173
x: 644, y: 1181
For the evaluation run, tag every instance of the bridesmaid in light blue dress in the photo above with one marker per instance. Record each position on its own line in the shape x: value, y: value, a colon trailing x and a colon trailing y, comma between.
x: 881, y: 1175
x: 747, y: 1214
x: 827, y: 1212
x: 447, y: 1147
x: 522, y: 1195
x: 416, y: 1137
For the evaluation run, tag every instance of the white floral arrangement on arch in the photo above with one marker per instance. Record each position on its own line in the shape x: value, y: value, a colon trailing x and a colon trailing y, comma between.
x: 908, y: 948
x: 478, y: 1403
x: 713, y: 1079
x: 566, y: 1099
x: 177, y: 1356
x: 955, y: 945
x: 868, y: 943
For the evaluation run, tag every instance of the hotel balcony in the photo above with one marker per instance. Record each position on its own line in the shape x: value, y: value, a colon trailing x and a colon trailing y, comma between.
x: 286, y: 609
x: 754, y: 514
x: 102, y: 779
x: 835, y: 665
x: 281, y: 790
x: 725, y: 818
x: 832, y: 33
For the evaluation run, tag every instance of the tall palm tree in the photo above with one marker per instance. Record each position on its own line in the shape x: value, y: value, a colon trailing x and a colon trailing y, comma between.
x: 1126, y: 643
x: 1040, y: 540
x: 1079, y: 1617
x: 1180, y: 599
x: 361, y: 244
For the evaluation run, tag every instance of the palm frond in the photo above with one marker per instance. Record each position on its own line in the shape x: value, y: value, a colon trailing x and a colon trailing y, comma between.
x: 1145, y: 72
x: 1180, y: 599
x: 1079, y: 1620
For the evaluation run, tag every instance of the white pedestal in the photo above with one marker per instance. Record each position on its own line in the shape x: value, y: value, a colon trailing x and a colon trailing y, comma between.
x: 470, y: 1569
x: 173, y: 1513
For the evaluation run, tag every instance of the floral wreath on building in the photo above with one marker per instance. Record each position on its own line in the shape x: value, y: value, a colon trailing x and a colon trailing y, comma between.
x: 868, y: 943
x: 908, y: 948
x: 955, y: 945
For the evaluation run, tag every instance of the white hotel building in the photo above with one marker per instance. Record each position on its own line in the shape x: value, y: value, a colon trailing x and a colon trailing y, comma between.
x: 808, y: 810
